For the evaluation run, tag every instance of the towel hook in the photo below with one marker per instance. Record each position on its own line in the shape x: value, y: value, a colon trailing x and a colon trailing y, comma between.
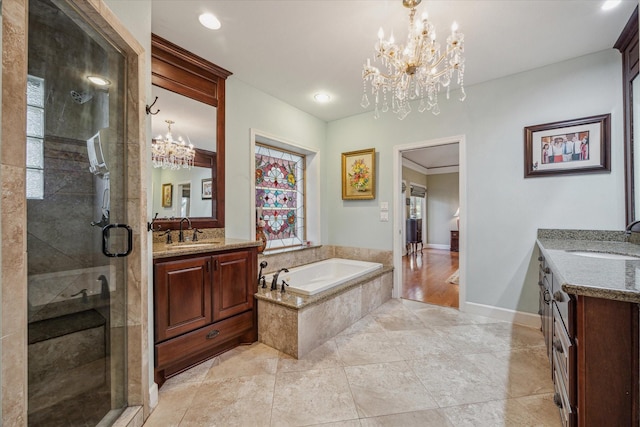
x: 148, y: 107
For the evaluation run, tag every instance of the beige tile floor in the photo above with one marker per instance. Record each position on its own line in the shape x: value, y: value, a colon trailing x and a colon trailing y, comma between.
x: 405, y: 364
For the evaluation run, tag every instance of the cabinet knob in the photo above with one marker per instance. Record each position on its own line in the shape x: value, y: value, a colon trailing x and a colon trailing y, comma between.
x: 541, y: 258
x: 557, y: 345
x: 557, y: 295
x: 547, y: 270
x: 213, y: 334
x: 557, y: 400
x: 540, y: 283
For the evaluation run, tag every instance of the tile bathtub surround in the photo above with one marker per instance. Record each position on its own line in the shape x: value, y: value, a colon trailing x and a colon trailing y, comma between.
x: 302, y: 324
x: 403, y: 364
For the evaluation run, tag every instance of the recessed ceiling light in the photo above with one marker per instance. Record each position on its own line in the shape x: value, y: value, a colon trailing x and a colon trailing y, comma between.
x: 322, y: 97
x: 610, y: 4
x: 100, y: 81
x: 210, y: 21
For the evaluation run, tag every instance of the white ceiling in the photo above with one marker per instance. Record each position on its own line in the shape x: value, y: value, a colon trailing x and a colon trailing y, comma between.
x: 435, y: 159
x: 293, y: 48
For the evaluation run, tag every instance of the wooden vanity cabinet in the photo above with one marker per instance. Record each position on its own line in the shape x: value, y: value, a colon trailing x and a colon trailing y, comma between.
x: 204, y: 305
x: 594, y: 355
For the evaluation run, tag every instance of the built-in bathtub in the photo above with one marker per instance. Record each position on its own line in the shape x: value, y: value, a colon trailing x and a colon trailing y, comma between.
x: 299, y: 320
x: 317, y: 277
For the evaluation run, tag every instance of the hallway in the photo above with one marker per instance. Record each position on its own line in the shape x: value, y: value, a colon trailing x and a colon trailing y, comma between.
x: 425, y: 274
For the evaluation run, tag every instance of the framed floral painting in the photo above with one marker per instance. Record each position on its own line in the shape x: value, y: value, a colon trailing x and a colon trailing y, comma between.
x: 359, y: 175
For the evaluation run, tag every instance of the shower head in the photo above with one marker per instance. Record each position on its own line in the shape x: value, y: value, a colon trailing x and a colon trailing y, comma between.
x: 81, y: 97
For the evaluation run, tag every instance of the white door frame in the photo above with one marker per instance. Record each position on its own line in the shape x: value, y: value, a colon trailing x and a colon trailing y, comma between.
x: 398, y: 204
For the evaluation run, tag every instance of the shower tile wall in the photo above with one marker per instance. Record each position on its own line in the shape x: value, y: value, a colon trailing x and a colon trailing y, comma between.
x: 13, y: 243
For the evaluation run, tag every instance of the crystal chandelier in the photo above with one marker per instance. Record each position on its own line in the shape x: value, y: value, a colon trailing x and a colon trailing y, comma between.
x: 169, y: 154
x: 415, y: 71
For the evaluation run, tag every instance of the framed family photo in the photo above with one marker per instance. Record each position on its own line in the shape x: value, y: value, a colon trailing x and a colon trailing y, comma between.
x: 206, y: 188
x: 568, y: 147
x: 359, y: 175
x: 167, y: 195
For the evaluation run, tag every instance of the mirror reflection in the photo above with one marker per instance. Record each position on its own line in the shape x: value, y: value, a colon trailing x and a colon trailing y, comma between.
x: 186, y: 191
x: 190, y: 193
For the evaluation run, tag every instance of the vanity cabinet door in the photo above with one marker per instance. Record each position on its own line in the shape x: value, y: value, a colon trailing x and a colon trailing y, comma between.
x: 234, y: 283
x: 182, y: 296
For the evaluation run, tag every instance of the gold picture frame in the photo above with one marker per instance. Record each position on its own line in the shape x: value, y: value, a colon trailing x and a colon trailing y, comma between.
x: 359, y: 175
x: 167, y: 195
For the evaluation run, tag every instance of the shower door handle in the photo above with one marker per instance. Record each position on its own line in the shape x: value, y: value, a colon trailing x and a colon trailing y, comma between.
x: 105, y: 240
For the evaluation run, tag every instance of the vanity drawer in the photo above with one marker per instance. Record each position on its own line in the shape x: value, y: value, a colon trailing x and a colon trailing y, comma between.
x: 562, y: 346
x: 561, y: 302
x: 203, y: 339
x: 561, y: 396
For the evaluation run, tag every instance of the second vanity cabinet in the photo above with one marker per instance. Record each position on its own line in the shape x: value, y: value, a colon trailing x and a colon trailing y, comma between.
x: 204, y: 305
x: 592, y: 344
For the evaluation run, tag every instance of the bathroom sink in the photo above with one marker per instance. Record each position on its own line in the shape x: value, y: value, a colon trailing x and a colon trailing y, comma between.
x: 603, y: 255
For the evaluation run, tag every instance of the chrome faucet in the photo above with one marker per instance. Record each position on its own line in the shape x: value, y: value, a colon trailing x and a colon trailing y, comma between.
x: 181, y: 234
x: 274, y: 282
x: 633, y: 227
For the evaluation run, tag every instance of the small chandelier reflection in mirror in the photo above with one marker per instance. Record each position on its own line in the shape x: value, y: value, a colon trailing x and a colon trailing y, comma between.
x: 416, y: 71
x: 169, y: 154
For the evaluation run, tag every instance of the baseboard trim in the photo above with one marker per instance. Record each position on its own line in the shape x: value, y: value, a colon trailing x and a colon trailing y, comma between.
x: 153, y: 395
x: 513, y: 316
x: 437, y: 246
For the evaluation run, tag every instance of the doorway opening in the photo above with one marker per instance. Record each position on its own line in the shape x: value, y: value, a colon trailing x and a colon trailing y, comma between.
x: 428, y: 204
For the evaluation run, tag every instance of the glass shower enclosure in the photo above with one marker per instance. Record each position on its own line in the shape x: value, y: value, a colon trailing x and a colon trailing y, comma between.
x: 76, y: 242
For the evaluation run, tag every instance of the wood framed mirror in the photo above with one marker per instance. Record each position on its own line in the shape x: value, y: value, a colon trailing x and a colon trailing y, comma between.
x: 627, y: 44
x: 190, y: 87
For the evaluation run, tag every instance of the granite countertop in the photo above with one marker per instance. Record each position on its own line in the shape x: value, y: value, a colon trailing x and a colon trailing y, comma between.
x: 163, y: 250
x: 616, y: 279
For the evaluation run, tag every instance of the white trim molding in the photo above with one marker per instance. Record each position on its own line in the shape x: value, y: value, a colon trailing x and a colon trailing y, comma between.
x: 507, y: 315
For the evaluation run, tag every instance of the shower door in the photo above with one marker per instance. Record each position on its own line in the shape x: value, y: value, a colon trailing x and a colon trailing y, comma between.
x: 75, y: 206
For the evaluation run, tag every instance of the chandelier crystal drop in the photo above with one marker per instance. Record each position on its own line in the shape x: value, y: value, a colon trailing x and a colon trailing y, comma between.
x: 418, y: 70
x: 168, y: 153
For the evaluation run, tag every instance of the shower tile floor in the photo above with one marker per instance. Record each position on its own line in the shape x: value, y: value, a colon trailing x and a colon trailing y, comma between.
x: 405, y: 364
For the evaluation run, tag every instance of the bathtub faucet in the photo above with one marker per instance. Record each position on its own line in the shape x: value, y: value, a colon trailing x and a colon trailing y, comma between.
x: 261, y: 278
x: 274, y: 282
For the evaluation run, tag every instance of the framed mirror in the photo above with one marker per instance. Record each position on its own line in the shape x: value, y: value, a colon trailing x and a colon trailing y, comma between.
x: 190, y: 97
x: 627, y: 44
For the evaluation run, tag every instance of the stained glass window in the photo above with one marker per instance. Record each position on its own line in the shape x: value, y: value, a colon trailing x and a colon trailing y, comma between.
x: 280, y: 196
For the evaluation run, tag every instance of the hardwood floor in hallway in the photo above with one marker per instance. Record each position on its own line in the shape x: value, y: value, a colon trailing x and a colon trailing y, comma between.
x: 425, y: 274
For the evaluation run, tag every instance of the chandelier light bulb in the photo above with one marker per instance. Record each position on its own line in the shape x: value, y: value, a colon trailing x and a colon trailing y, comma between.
x: 416, y: 70
x: 169, y: 154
